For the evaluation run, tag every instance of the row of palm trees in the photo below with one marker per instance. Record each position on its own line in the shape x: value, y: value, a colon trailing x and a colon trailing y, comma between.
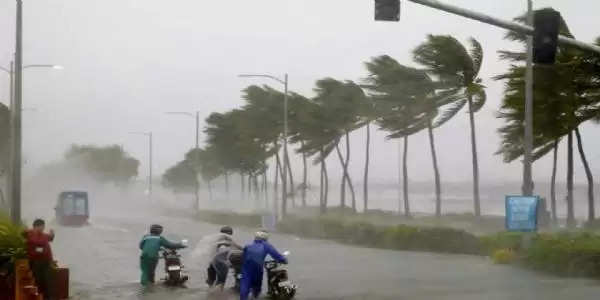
x: 404, y: 100
x: 399, y: 99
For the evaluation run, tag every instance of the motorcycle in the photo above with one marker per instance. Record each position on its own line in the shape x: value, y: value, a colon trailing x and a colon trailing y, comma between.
x: 235, y: 260
x: 174, y: 268
x: 278, y: 284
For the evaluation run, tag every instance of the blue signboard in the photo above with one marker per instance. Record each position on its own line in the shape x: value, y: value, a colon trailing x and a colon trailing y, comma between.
x: 521, y: 213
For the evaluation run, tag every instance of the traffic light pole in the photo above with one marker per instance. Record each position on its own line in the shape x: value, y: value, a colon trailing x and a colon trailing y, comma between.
x: 527, y: 187
x: 525, y: 29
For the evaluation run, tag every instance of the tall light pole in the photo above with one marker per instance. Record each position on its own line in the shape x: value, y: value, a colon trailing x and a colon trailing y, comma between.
x: 197, y: 117
x: 528, y: 142
x: 149, y: 135
x: 283, y: 81
x: 15, y: 138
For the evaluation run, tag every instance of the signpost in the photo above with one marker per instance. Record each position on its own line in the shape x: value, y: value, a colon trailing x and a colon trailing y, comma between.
x: 522, y: 213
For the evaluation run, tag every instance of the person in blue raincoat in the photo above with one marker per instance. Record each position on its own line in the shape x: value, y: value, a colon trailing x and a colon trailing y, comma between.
x: 252, y: 267
x: 150, y: 246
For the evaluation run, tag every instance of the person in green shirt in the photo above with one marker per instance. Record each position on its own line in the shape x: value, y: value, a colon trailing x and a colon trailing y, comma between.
x: 150, y: 246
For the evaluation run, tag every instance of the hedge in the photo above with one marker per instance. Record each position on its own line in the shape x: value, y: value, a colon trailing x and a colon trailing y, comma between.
x: 562, y: 253
x: 399, y: 237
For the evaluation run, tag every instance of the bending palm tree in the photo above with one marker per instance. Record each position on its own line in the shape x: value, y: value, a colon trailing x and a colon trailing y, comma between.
x: 446, y: 58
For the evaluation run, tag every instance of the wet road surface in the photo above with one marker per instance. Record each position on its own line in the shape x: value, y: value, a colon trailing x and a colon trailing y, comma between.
x: 103, y: 259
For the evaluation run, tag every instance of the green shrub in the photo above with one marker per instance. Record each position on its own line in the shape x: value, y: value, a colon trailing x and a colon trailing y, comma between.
x: 399, y: 237
x: 502, y: 240
x: 573, y: 254
x: 504, y: 256
x: 12, y: 243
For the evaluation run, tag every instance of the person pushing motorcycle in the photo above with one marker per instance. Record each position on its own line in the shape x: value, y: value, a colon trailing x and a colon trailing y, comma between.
x: 219, y: 265
x: 253, y: 261
x: 150, y: 246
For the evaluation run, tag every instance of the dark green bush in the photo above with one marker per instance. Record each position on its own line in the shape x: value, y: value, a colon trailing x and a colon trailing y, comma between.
x: 400, y: 237
x: 573, y: 254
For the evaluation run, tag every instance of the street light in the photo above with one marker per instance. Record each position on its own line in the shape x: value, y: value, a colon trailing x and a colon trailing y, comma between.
x: 149, y: 135
x: 195, y: 115
x: 283, y: 81
x: 15, y: 153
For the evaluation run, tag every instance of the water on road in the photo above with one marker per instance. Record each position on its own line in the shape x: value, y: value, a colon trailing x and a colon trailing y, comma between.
x: 103, y: 259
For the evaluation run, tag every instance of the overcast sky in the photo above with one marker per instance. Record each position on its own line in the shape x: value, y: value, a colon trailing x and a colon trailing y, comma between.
x: 129, y: 61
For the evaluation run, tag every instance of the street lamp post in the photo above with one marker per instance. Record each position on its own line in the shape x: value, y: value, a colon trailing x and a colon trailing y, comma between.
x: 283, y: 81
x: 197, y: 117
x: 15, y: 139
x: 149, y: 135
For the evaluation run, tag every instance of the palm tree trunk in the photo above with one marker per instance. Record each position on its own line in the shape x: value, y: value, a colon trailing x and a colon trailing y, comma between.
x: 553, y: 182
x: 250, y: 187
x: 243, y: 183
x: 343, y: 183
x: 438, y: 189
x: 256, y: 191
x: 588, y: 174
x: 325, y: 184
x: 326, y: 194
x: 227, y: 184
x: 405, y: 178
x: 322, y: 186
x: 276, y: 185
x: 291, y: 186
x: 570, y: 209
x: 350, y: 185
x: 304, y: 176
x: 366, y: 176
x: 476, y: 200
x: 210, y: 193
x: 265, y: 188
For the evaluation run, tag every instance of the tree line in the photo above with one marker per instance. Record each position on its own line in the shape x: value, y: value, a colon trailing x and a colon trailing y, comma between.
x: 401, y: 100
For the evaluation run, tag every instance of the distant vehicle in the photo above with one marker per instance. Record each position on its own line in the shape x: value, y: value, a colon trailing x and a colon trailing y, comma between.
x: 72, y: 208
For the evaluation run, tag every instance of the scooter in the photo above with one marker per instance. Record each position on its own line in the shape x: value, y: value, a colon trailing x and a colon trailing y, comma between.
x: 278, y: 284
x: 235, y: 260
x: 174, y: 268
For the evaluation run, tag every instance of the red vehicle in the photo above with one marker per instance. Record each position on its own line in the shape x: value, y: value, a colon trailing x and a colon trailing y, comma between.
x: 72, y: 208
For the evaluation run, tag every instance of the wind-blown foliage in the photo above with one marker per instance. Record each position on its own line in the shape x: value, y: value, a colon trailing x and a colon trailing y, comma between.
x: 565, y: 96
x: 106, y: 164
x: 447, y: 59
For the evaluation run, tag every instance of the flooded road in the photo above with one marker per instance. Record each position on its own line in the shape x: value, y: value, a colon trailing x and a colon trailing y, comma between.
x: 103, y: 259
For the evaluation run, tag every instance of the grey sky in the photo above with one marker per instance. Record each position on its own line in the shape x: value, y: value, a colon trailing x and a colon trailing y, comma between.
x: 128, y: 61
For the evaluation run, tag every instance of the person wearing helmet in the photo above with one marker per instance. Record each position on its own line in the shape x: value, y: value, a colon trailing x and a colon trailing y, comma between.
x: 219, y: 265
x: 150, y: 246
x: 253, y: 261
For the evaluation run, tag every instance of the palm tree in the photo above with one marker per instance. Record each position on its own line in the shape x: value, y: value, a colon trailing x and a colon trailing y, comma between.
x: 344, y: 100
x: 566, y: 96
x: 395, y: 91
x: 445, y: 57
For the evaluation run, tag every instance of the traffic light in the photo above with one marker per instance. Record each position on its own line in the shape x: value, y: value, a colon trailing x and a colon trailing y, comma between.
x: 546, y: 24
x: 387, y: 10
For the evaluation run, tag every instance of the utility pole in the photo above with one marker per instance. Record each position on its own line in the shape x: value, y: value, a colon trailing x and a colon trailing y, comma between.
x: 528, y: 142
x: 11, y: 158
x: 285, y: 134
x: 16, y: 119
x: 149, y: 135
x: 150, y: 164
x: 197, y: 147
x: 285, y: 147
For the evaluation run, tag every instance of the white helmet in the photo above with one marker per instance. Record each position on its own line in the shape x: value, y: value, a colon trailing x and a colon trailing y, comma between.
x: 261, y: 235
